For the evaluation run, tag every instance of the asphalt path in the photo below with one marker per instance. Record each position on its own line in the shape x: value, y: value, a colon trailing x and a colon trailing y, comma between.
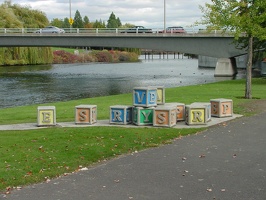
x: 228, y: 161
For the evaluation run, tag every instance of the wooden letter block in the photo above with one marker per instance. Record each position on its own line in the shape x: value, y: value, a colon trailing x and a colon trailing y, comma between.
x: 196, y: 115
x: 164, y: 116
x: 120, y: 114
x: 86, y: 114
x: 142, y: 116
x: 46, y: 116
x: 221, y: 107
x: 160, y: 95
x: 180, y: 110
x: 208, y: 107
x: 145, y: 96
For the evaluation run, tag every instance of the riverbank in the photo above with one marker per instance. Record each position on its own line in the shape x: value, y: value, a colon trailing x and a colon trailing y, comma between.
x: 53, y: 152
x: 64, y: 56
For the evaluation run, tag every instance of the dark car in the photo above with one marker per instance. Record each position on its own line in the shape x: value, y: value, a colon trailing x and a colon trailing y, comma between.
x: 137, y: 29
x: 50, y: 29
x: 173, y: 29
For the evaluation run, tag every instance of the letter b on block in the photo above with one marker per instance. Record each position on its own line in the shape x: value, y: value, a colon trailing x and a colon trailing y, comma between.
x: 46, y: 116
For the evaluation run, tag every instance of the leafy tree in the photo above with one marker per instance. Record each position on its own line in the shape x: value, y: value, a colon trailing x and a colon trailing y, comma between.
x: 86, y: 21
x: 113, y: 22
x: 16, y: 16
x: 127, y: 25
x: 30, y: 18
x: 8, y: 19
x: 99, y: 24
x: 245, y: 18
x: 57, y: 22
x: 119, y: 23
x: 78, y: 22
x: 66, y: 23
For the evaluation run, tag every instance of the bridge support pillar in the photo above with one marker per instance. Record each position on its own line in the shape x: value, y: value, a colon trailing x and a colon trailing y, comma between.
x: 225, y: 67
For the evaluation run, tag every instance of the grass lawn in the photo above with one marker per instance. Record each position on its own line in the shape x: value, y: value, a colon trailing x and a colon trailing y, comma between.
x: 37, y: 155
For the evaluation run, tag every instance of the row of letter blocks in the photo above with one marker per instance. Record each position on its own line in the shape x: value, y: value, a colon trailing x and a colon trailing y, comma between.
x: 84, y: 114
x: 165, y: 115
x: 201, y: 113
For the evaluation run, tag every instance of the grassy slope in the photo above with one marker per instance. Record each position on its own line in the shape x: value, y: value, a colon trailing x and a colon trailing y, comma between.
x: 36, y: 155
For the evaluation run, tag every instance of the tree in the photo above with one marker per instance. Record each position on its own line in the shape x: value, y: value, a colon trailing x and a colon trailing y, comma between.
x: 86, y: 20
x: 57, y: 22
x: 99, y: 24
x: 113, y: 22
x: 66, y: 23
x: 78, y: 22
x: 246, y: 19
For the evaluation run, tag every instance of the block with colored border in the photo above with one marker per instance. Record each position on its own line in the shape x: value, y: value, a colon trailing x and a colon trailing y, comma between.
x: 46, y: 116
x: 120, y: 114
x: 160, y: 95
x: 196, y: 115
x: 180, y: 110
x: 145, y: 96
x: 143, y: 116
x: 86, y: 114
x: 208, y: 106
x: 164, y: 116
x: 221, y: 107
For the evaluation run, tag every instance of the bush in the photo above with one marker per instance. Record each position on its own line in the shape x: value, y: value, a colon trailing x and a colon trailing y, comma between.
x: 61, y: 56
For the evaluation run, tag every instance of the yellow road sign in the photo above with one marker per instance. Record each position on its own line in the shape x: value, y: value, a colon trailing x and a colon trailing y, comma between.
x: 71, y: 21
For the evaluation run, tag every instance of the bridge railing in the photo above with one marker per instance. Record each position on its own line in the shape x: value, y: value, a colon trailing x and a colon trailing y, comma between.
x: 114, y: 31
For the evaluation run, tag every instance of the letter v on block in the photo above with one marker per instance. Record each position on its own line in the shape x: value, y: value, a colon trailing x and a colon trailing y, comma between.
x: 140, y: 98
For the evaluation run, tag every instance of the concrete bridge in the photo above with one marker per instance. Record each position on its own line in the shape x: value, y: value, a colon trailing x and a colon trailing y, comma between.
x: 218, y: 46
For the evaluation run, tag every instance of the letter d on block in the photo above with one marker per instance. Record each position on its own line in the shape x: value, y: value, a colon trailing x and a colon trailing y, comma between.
x: 46, y: 116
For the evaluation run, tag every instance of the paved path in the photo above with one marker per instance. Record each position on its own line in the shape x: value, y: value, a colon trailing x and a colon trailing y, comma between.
x: 182, y: 124
x: 227, y: 161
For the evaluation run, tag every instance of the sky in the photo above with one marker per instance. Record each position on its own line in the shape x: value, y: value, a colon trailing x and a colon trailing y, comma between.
x: 148, y: 13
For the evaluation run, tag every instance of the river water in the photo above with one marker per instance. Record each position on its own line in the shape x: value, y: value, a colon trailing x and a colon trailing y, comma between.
x: 25, y: 85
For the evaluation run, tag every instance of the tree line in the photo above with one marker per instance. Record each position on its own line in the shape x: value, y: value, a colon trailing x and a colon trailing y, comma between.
x: 17, y: 16
x: 84, y: 22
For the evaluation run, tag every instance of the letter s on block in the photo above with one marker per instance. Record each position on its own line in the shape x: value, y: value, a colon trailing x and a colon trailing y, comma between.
x: 161, y: 118
x: 82, y: 115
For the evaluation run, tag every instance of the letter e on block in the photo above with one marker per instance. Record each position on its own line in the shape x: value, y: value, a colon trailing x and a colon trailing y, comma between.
x: 46, y: 116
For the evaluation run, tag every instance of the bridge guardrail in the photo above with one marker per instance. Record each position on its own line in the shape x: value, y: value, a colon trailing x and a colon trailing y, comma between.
x: 97, y: 31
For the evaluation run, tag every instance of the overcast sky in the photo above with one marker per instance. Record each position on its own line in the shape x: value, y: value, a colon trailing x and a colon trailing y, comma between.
x: 148, y: 13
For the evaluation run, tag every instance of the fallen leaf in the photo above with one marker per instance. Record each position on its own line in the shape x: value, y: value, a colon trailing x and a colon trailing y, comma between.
x: 84, y: 169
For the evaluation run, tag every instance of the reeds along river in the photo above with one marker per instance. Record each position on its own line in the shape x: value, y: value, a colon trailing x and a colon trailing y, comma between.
x: 24, y: 85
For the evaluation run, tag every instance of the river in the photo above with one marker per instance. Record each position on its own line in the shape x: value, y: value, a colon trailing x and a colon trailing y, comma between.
x: 25, y: 85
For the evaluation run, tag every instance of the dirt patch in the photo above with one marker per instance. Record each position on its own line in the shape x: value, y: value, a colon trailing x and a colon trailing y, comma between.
x: 255, y: 106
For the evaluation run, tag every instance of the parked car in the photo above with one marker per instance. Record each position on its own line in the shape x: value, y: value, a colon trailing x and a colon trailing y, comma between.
x: 137, y: 29
x: 50, y: 29
x: 173, y: 29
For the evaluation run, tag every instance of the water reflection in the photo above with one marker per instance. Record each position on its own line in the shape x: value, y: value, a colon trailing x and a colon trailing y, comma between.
x: 23, y: 85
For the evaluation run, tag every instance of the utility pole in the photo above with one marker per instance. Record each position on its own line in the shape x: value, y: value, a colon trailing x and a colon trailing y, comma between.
x: 164, y: 18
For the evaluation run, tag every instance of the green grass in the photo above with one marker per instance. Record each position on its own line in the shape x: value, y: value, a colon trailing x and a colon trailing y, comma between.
x: 32, y: 156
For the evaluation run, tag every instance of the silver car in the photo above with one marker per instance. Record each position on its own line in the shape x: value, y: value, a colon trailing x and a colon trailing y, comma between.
x: 50, y: 29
